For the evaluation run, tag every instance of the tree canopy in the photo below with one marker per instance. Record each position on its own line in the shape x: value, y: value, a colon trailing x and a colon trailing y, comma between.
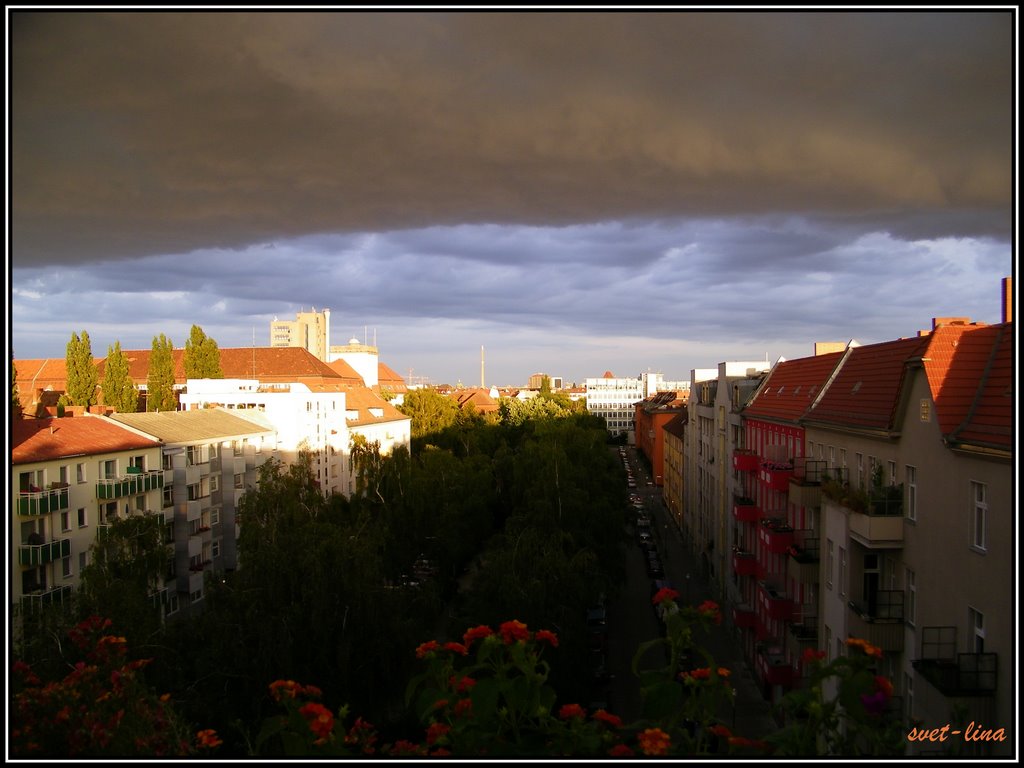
x: 160, y: 383
x: 119, y: 391
x: 82, y: 376
x: 202, y: 356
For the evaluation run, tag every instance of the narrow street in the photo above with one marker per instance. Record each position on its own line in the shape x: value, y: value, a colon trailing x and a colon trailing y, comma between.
x: 631, y: 619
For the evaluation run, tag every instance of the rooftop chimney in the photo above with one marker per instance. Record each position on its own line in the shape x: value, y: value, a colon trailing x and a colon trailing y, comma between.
x: 1007, y: 285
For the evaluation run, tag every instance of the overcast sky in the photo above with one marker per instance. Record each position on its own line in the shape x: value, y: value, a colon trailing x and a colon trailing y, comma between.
x: 575, y: 192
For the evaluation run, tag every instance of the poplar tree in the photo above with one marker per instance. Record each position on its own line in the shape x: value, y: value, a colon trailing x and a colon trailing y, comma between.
x: 160, y: 382
x: 202, y: 356
x: 82, y: 377
x: 119, y: 392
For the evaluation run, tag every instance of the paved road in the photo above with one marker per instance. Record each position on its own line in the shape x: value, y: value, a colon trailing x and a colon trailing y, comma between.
x: 632, y: 621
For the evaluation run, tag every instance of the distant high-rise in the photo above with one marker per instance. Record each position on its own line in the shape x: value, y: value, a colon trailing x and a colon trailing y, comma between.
x: 310, y: 330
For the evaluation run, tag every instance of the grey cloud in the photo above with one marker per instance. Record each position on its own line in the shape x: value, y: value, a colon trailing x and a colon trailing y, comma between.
x: 165, y: 132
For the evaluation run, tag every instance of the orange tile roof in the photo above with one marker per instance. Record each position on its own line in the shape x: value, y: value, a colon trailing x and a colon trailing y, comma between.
x: 362, y: 399
x: 866, y: 389
x: 35, y: 440
x: 480, y: 399
x: 389, y: 378
x: 970, y: 373
x: 345, y: 371
x: 791, y: 386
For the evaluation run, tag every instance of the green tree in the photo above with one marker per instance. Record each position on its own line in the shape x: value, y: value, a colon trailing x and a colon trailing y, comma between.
x: 202, y: 356
x: 119, y: 392
x: 160, y: 383
x: 82, y: 376
x: 430, y: 411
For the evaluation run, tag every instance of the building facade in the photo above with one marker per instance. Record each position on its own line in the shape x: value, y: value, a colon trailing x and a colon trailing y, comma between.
x: 614, y: 399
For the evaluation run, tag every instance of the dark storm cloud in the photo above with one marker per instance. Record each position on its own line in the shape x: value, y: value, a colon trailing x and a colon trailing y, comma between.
x: 138, y: 134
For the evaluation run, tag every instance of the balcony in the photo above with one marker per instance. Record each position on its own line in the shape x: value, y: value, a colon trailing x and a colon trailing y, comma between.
x: 745, y: 510
x: 879, y: 620
x: 745, y: 460
x: 772, y: 665
x: 776, y: 474
x: 34, y: 601
x: 803, y: 632
x: 955, y: 674
x: 805, y: 483
x: 776, y: 536
x: 803, y: 562
x: 876, y: 531
x: 131, y: 484
x: 40, y: 554
x: 744, y: 564
x: 774, y: 602
x: 743, y: 616
x: 37, y: 503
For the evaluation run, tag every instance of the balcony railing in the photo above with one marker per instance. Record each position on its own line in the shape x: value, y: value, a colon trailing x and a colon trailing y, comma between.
x: 744, y: 564
x: 40, y: 554
x: 743, y: 616
x: 876, y: 531
x: 745, y: 460
x: 952, y: 673
x: 34, y: 601
x: 745, y: 510
x: 776, y: 535
x: 803, y: 563
x: 775, y: 603
x: 129, y: 485
x: 772, y: 665
x: 776, y: 474
x: 879, y: 620
x: 43, y: 502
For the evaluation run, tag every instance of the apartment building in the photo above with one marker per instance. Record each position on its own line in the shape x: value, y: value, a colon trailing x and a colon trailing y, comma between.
x: 650, y: 416
x: 210, y: 458
x: 672, y: 466
x: 917, y: 532
x: 613, y: 399
x: 309, y: 330
x: 71, y: 477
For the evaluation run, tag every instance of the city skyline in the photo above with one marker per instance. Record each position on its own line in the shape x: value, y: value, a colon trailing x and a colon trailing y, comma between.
x: 574, y: 192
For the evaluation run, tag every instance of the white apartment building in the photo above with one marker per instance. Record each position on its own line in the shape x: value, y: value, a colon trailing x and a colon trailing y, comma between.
x: 614, y: 399
x: 309, y: 330
x: 316, y: 417
x: 72, y: 476
x: 210, y: 459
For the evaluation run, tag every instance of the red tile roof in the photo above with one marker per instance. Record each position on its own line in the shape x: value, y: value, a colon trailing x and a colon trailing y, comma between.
x: 479, y: 398
x: 386, y: 377
x: 362, y: 399
x: 35, y: 440
x: 866, y: 388
x: 970, y: 373
x: 791, y: 386
x: 345, y: 371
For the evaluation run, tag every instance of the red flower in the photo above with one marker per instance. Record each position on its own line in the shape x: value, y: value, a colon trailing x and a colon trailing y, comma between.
x: 720, y: 730
x: 608, y: 719
x: 572, y: 710
x: 207, y: 739
x: 654, y: 741
x: 403, y: 747
x: 811, y: 654
x: 321, y: 721
x: 621, y: 750
x: 425, y: 648
x: 546, y: 636
x: 665, y: 593
x: 512, y: 631
x: 884, y: 685
x: 709, y: 609
x: 284, y: 688
x: 463, y: 707
x: 477, y: 633
x: 458, y: 648
x: 437, y: 731
x: 463, y: 685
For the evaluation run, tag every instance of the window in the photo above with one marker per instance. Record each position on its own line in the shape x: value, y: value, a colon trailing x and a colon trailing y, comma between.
x: 975, y: 631
x: 65, y: 521
x: 168, y: 461
x: 195, y: 597
x: 140, y: 503
x: 979, y: 511
x: 892, y: 473
x: 214, y: 483
x: 83, y: 560
x: 908, y: 695
x: 80, y: 473
x: 911, y: 596
x: 911, y: 492
x: 239, y: 481
x: 828, y: 642
x: 108, y: 469
x: 842, y: 458
x: 171, y: 606
x: 83, y: 521
x: 168, y: 493
x: 214, y: 515
x: 215, y: 548
x: 842, y: 571
x: 63, y: 474
x: 831, y: 456
x: 860, y: 469
x: 831, y: 564
x: 65, y: 564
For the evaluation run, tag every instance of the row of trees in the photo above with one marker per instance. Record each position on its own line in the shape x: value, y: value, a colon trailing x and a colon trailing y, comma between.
x: 201, y: 361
